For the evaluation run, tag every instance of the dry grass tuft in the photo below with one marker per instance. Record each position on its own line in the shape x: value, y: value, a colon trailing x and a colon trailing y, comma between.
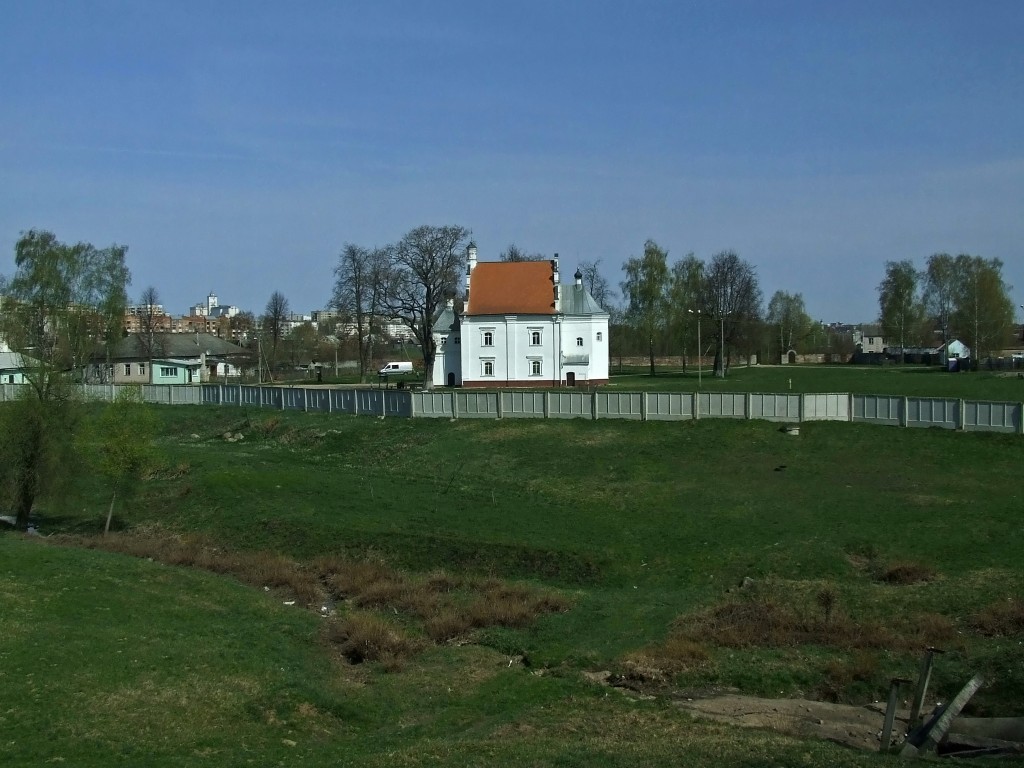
x: 841, y: 675
x: 447, y: 625
x: 363, y: 637
x: 763, y: 622
x: 1000, y: 619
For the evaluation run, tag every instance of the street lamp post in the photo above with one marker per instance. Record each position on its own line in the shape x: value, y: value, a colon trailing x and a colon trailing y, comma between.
x: 699, y: 350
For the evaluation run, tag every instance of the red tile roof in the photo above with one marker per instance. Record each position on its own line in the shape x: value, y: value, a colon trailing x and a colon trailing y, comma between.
x: 517, y: 287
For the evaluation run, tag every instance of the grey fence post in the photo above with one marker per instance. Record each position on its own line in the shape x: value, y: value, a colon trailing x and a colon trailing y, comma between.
x: 748, y: 405
x: 644, y: 408
x: 547, y: 405
x: 904, y: 408
x: 305, y: 400
x: 455, y: 406
x: 501, y: 409
x: 961, y: 416
x: 593, y: 405
x: 696, y: 406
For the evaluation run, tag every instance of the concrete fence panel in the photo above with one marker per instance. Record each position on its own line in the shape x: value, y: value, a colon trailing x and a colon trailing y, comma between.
x: 669, y: 406
x: 476, y: 405
x: 398, y: 403
x: 318, y: 400
x: 727, y: 405
x: 933, y: 412
x: 293, y: 398
x: 431, y: 404
x: 878, y: 409
x: 570, y: 405
x: 522, y: 404
x: 984, y: 416
x: 370, y: 402
x: 343, y: 400
x: 826, y: 407
x: 620, y: 405
x: 772, y: 407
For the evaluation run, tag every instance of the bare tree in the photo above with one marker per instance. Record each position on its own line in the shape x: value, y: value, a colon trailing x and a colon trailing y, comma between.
x: 426, y: 265
x: 732, y: 301
x: 275, y: 318
x: 362, y: 279
x: 515, y: 253
x: 596, y: 284
x: 150, y: 323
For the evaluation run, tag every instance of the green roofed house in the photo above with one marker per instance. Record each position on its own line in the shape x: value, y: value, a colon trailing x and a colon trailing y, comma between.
x: 171, y: 358
x: 13, y: 365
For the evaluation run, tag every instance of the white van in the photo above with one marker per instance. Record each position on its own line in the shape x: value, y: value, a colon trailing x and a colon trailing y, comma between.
x: 395, y: 369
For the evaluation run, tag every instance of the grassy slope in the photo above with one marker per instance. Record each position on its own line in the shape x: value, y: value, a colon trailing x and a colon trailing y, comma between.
x: 639, y: 523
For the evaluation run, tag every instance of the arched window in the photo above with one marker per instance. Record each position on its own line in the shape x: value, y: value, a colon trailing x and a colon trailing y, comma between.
x: 488, y: 339
x: 579, y: 341
x: 535, y: 338
x: 598, y: 335
x: 535, y: 369
x: 488, y: 368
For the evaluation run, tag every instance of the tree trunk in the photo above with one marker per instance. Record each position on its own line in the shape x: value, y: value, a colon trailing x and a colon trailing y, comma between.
x: 651, y: 352
x: 23, y: 503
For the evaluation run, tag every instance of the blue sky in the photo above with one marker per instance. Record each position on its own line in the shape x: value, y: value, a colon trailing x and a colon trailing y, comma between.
x: 236, y: 146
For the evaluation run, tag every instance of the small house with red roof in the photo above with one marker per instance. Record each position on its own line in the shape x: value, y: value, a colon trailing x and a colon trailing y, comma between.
x: 520, y: 327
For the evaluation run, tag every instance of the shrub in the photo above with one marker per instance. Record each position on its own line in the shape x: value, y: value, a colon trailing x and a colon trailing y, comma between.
x: 362, y: 637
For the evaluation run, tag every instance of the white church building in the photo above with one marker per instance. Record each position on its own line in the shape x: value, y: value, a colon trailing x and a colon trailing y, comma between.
x: 520, y: 327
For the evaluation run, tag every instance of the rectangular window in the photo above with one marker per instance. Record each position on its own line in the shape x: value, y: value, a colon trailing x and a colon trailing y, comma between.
x: 598, y: 335
x: 535, y: 337
x: 168, y: 371
x: 536, y: 368
x: 579, y: 341
x: 127, y: 369
x: 487, y: 339
x: 487, y: 368
x: 142, y: 369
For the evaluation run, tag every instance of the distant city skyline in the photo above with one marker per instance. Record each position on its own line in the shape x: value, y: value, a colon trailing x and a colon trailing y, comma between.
x: 235, y: 147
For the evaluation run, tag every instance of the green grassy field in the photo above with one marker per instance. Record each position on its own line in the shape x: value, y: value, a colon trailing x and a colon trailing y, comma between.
x: 863, y: 545
x: 910, y: 380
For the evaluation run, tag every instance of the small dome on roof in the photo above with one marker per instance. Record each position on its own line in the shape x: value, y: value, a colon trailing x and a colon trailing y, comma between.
x: 578, y: 275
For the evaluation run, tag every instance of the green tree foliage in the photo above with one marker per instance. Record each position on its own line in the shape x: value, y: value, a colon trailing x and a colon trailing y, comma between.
x: 122, y: 448
x: 940, y: 290
x: 645, y: 292
x: 983, y: 310
x: 901, y: 308
x: 789, y: 322
x: 63, y: 304
x: 684, y: 309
